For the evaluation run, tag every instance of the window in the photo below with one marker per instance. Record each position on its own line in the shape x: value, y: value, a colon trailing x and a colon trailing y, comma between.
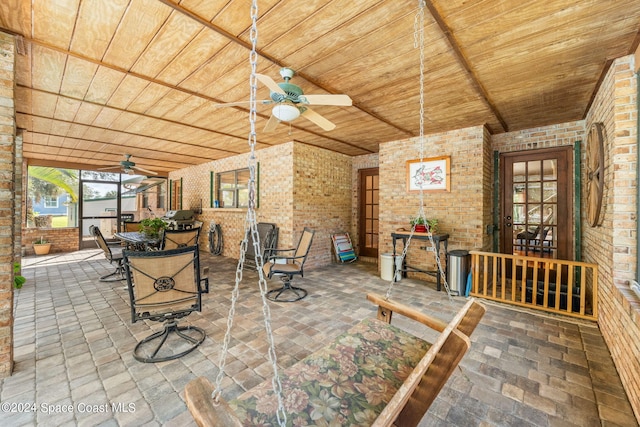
x: 50, y: 201
x: 233, y: 189
x: 52, y: 197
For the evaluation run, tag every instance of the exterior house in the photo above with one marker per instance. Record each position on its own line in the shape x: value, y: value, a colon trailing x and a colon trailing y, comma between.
x: 51, y: 205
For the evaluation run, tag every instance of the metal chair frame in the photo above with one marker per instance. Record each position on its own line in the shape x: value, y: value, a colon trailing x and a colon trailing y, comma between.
x: 165, y: 286
x: 113, y: 253
x: 172, y: 239
x: 294, y: 265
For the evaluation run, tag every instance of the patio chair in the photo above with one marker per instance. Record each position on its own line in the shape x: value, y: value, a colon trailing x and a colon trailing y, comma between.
x: 268, y: 235
x: 131, y: 226
x: 167, y: 288
x: 343, y: 248
x: 113, y: 253
x: 173, y: 239
x: 286, y: 267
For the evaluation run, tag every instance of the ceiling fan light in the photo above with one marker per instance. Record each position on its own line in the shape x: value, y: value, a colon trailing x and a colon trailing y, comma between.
x: 285, y: 112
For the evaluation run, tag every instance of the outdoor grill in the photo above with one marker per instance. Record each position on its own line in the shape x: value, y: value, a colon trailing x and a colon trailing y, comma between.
x: 179, y: 219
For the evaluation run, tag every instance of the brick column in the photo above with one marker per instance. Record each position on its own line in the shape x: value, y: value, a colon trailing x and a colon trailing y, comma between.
x: 7, y: 199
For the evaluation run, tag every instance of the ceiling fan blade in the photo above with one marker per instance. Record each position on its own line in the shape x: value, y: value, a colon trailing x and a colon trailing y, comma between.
x: 316, y: 118
x: 108, y: 168
x: 138, y: 168
x: 243, y: 103
x: 270, y: 83
x: 271, y: 124
x: 328, y: 100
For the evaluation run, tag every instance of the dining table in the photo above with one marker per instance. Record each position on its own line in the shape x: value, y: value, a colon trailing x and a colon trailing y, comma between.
x: 138, y: 241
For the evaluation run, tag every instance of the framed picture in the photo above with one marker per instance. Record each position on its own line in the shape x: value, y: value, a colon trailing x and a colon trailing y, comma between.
x: 432, y: 174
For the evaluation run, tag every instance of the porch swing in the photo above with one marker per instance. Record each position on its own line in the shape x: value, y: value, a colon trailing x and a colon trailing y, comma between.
x: 374, y: 374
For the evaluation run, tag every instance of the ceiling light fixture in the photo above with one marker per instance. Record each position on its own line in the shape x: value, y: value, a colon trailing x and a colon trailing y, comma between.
x: 285, y: 112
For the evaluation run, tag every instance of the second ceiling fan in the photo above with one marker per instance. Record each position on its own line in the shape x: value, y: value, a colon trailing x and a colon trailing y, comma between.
x: 291, y: 102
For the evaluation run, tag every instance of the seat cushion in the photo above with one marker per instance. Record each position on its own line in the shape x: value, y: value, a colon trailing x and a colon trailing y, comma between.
x: 269, y: 268
x: 346, y: 383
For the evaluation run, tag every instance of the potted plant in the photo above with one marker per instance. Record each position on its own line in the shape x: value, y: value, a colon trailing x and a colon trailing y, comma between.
x: 152, y: 226
x: 424, y: 225
x: 41, y: 246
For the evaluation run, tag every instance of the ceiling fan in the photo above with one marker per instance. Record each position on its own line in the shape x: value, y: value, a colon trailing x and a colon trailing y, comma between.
x: 129, y: 167
x: 291, y: 102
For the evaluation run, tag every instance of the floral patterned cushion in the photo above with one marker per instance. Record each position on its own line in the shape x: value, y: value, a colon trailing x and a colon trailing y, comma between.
x: 345, y: 384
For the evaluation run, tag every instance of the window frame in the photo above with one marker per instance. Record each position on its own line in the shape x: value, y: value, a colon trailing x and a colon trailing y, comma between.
x: 50, y: 202
x: 236, y: 188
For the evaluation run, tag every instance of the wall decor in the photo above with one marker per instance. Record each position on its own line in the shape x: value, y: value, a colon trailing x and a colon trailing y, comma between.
x: 430, y: 174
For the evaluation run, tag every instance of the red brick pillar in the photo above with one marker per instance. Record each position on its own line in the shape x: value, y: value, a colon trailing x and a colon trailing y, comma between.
x: 7, y: 199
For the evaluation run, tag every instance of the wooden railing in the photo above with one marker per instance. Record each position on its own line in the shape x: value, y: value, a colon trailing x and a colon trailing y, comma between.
x: 564, y: 287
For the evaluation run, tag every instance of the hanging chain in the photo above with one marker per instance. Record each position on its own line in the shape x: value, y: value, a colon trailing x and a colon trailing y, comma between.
x: 418, y: 43
x: 250, y: 226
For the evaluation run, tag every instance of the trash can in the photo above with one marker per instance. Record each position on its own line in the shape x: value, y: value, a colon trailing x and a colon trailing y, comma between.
x: 386, y: 267
x: 458, y: 266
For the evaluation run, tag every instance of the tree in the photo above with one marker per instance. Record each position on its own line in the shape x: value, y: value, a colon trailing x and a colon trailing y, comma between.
x: 47, y: 181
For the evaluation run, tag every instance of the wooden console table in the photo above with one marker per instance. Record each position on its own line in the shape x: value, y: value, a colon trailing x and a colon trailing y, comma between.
x: 437, y: 239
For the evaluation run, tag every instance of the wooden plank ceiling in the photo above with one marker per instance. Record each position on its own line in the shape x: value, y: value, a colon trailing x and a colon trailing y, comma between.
x: 100, y: 78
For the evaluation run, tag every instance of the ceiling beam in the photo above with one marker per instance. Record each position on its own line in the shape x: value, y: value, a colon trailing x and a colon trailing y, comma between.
x: 276, y: 61
x: 464, y: 62
x: 130, y: 112
x: 197, y: 158
x: 34, y: 161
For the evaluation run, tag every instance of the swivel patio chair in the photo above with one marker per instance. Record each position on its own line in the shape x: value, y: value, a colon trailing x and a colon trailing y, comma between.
x: 268, y: 235
x: 131, y: 226
x: 286, y: 267
x: 113, y: 253
x: 167, y: 288
x: 173, y: 239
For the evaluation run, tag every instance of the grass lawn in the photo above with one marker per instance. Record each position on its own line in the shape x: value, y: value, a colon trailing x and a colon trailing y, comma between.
x: 59, y: 221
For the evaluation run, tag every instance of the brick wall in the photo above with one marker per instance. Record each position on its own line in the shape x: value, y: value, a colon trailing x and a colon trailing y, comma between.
x: 321, y: 197
x: 19, y: 190
x: 462, y: 212
x: 275, y: 205
x: 613, y: 244
x: 62, y: 239
x: 314, y: 183
x: 7, y: 200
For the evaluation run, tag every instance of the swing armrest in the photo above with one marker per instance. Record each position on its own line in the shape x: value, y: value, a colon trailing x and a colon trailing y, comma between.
x: 466, y: 325
x: 387, y: 307
x: 197, y: 394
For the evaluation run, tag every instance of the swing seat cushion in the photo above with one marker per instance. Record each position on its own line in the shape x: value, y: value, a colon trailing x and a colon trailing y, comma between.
x: 347, y: 383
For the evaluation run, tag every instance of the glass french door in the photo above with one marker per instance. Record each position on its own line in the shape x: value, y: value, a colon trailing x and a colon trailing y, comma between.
x: 369, y: 212
x: 537, y: 203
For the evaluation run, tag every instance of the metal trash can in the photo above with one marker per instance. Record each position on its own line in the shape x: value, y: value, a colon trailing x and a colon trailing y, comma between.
x: 458, y: 266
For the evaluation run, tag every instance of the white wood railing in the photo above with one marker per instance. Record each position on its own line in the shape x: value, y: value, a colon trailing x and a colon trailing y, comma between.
x: 564, y: 287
